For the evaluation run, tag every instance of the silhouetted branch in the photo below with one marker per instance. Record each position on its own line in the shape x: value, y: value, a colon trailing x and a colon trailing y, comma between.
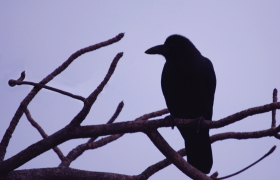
x: 12, y: 83
x: 152, y: 115
x: 214, y: 138
x: 73, y: 132
x: 80, y: 149
x: 111, y: 120
x: 245, y: 135
x: 15, y: 82
x: 92, y: 145
x: 214, y: 176
x: 8, y: 134
x: 174, y: 157
x: 43, y: 134
x: 240, y: 115
x: 78, y: 119
x: 158, y: 166
x: 63, y: 174
x: 274, y: 99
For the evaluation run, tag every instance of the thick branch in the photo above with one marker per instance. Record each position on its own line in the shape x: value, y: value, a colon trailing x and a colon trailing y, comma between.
x: 8, y: 134
x: 73, y: 132
x: 63, y: 174
x: 214, y: 138
x: 92, y: 145
x: 174, y: 157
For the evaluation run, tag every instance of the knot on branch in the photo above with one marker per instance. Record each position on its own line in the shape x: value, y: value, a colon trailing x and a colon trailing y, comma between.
x: 13, y: 82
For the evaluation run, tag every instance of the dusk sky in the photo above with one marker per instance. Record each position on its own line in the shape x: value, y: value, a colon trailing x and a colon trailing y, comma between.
x: 241, y: 38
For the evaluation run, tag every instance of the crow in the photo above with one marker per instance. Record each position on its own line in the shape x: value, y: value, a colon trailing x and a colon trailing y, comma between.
x: 188, y: 83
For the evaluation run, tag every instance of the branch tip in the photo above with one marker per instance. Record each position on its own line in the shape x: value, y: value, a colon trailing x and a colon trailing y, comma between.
x: 12, y: 82
x: 264, y: 156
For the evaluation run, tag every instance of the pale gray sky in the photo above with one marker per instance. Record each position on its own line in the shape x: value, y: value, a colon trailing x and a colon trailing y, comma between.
x: 241, y: 38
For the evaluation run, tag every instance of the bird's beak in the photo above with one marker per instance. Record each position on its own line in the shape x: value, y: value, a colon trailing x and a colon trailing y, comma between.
x: 160, y: 49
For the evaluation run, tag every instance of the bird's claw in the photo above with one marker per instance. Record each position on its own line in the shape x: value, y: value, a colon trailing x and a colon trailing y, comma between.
x: 171, y: 119
x: 199, y: 119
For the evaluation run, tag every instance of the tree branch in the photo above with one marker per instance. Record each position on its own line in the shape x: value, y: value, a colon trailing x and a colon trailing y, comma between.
x: 41, y: 86
x: 62, y: 174
x: 93, y: 145
x: 80, y: 149
x: 43, y: 134
x: 214, y: 138
x: 214, y: 176
x: 274, y: 99
x: 174, y: 157
x: 245, y: 135
x: 78, y: 119
x: 73, y: 132
x: 23, y: 105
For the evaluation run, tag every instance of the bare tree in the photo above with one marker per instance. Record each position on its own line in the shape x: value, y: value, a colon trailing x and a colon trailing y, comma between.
x: 112, y: 131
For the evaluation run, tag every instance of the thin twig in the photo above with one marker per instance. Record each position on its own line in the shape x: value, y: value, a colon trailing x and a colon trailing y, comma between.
x: 267, y: 154
x: 274, y: 99
x: 148, y: 172
x: 15, y: 82
x: 78, y: 119
x: 43, y: 134
x: 152, y: 114
x: 111, y: 120
x: 245, y: 135
x: 80, y: 149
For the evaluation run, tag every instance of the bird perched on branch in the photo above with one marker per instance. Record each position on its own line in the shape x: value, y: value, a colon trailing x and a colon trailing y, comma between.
x: 188, y: 83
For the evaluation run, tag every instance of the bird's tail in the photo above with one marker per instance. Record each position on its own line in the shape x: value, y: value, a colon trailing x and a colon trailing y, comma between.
x: 198, y: 148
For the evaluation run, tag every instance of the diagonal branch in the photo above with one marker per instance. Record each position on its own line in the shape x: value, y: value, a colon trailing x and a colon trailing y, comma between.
x: 15, y: 82
x: 214, y: 176
x: 80, y: 149
x: 148, y: 172
x: 23, y: 105
x: 174, y: 157
x: 78, y: 119
x: 214, y: 138
x: 111, y: 120
x: 43, y: 134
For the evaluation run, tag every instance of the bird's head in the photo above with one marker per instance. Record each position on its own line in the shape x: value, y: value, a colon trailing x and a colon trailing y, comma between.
x: 175, y: 47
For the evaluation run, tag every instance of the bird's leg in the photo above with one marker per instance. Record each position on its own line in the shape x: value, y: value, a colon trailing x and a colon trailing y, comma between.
x: 171, y: 119
x: 199, y: 120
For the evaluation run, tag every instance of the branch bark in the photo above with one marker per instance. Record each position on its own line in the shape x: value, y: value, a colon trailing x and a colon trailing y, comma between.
x: 23, y: 105
x: 74, y: 132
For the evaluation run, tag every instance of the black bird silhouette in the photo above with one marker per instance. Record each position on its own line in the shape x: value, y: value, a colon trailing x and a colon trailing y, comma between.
x: 188, y: 83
